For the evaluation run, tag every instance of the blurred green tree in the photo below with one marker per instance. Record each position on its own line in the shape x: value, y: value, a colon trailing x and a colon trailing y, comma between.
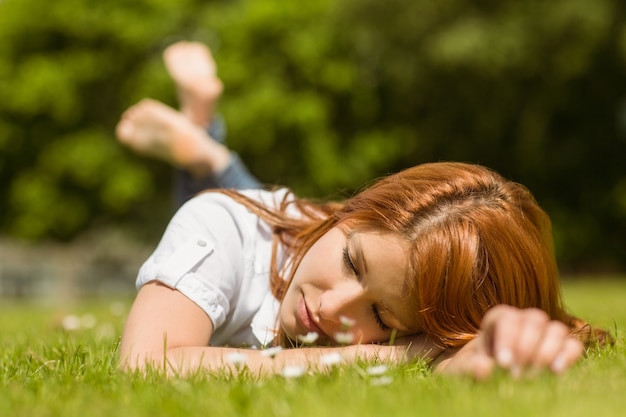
x: 65, y: 69
x: 322, y: 96
x: 533, y: 89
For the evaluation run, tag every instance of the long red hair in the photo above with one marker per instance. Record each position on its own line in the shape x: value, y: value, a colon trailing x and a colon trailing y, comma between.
x: 476, y: 240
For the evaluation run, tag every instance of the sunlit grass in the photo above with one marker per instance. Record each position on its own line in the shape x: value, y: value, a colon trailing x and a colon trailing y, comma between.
x: 46, y: 370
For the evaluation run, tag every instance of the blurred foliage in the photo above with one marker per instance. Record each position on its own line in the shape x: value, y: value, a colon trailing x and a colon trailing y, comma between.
x: 322, y: 96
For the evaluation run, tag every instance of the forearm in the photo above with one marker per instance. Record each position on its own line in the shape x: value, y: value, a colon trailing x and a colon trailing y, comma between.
x: 188, y: 360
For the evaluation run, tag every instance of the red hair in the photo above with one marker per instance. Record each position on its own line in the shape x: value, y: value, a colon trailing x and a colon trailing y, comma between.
x: 476, y: 240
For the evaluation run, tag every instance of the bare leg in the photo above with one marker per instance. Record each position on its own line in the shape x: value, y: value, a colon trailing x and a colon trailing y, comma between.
x: 193, y: 69
x: 179, y: 138
x: 153, y: 129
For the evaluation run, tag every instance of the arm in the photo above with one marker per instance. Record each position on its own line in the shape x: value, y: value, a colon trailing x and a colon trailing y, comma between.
x: 166, y: 330
x: 521, y: 341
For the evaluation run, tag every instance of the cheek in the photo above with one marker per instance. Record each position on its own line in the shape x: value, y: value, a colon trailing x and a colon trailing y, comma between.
x: 308, y: 270
x: 322, y: 253
x: 287, y: 316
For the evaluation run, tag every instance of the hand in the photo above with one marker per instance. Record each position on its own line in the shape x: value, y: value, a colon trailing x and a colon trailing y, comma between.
x: 521, y: 341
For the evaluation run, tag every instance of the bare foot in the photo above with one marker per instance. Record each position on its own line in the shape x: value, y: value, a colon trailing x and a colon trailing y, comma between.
x: 153, y: 129
x: 193, y: 69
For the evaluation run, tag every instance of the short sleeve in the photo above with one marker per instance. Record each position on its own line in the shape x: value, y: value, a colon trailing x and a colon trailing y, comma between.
x: 201, y: 254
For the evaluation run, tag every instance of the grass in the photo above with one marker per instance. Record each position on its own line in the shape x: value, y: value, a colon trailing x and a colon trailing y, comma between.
x: 47, y: 371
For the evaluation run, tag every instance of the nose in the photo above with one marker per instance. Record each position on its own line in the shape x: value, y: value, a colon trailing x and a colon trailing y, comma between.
x: 341, y: 300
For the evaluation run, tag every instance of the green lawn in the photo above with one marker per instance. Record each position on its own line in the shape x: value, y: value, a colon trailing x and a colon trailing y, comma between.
x: 48, y: 371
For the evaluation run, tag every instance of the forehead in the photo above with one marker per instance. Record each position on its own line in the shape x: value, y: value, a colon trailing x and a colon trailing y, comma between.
x: 385, y: 253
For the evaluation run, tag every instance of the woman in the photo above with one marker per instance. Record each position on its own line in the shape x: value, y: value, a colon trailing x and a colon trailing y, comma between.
x: 448, y: 262
x: 427, y: 257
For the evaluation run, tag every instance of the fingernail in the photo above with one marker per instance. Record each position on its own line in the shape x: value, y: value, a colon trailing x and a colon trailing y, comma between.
x: 558, y: 365
x: 504, y: 357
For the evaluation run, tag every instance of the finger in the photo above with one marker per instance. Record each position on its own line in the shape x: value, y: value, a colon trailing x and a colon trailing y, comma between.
x: 532, y: 325
x: 552, y: 343
x: 479, y: 363
x: 481, y: 367
x: 500, y: 328
x: 469, y: 360
x: 473, y: 364
x: 572, y: 351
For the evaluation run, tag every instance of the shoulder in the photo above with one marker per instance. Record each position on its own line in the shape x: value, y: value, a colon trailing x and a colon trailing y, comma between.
x: 206, y: 200
x: 216, y: 208
x: 224, y: 218
x: 270, y: 199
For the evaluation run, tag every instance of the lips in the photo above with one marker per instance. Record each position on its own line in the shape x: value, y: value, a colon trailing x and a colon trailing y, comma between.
x: 304, y: 316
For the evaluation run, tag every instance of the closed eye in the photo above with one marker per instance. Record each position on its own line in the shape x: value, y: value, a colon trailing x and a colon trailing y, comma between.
x: 379, y: 319
x: 351, y: 269
x: 347, y: 261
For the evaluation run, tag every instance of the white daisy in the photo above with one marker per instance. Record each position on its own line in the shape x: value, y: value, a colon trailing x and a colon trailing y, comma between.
x: 347, y: 322
x: 271, y: 352
x: 293, y: 372
x: 309, y: 338
x: 237, y: 358
x: 331, y: 359
x: 70, y: 323
x: 377, y: 370
x: 381, y: 381
x: 344, y: 338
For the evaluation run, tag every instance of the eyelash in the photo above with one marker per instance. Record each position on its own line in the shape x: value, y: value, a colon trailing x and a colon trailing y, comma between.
x: 350, y: 266
x: 379, y: 320
x: 348, y: 262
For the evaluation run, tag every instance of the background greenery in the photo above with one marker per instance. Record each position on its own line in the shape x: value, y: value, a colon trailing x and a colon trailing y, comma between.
x: 322, y: 96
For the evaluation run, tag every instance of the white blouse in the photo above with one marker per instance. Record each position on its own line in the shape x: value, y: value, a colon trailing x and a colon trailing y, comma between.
x: 217, y: 253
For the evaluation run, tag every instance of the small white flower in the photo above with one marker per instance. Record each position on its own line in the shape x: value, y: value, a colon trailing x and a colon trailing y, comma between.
x: 377, y: 370
x: 344, y: 338
x: 381, y: 381
x: 293, y: 371
x: 105, y: 331
x: 309, y: 338
x: 117, y: 308
x: 88, y: 321
x: 346, y: 322
x: 331, y: 359
x: 70, y: 323
x: 237, y: 358
x: 271, y: 352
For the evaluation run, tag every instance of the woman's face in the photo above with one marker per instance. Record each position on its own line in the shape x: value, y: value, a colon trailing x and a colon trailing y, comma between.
x: 361, y: 277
